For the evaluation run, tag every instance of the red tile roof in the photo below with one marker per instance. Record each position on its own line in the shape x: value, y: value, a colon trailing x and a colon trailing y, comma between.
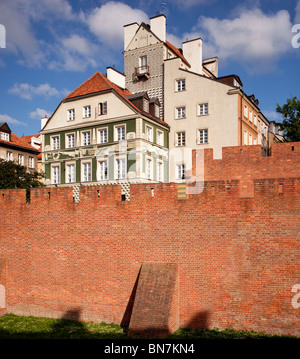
x: 17, y: 141
x: 177, y: 52
x: 98, y: 83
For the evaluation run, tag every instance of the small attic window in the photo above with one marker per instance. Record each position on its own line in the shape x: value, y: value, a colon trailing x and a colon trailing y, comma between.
x: 4, y: 136
x: 146, y: 105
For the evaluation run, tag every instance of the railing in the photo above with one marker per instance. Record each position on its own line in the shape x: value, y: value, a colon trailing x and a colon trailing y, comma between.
x: 142, y: 71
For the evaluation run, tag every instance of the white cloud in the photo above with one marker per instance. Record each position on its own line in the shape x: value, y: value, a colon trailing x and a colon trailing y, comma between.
x: 107, y: 21
x: 28, y: 91
x: 10, y: 120
x: 39, y: 113
x: 253, y: 37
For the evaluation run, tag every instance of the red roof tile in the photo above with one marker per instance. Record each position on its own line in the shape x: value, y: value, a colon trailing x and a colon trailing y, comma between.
x: 177, y: 52
x: 17, y: 141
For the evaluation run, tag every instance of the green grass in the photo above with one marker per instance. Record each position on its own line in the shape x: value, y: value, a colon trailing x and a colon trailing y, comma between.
x: 20, y: 327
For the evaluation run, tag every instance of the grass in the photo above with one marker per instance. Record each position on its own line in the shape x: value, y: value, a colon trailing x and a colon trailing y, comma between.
x: 20, y: 327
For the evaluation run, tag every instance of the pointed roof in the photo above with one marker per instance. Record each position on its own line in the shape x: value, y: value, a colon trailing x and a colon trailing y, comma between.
x: 98, y: 83
x: 177, y: 52
x: 16, y: 141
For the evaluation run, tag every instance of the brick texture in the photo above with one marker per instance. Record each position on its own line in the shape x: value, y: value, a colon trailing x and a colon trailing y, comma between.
x: 237, y: 254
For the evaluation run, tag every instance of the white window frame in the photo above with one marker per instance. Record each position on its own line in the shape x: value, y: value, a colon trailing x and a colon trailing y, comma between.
x: 180, y: 138
x: 202, y: 136
x: 71, y: 175
x: 203, y: 109
x: 180, y: 112
x: 102, y: 139
x: 149, y: 133
x: 117, y: 134
x: 149, y: 168
x: 180, y: 171
x: 160, y: 138
x: 84, y: 138
x: 21, y: 159
x: 160, y: 171
x: 255, y: 120
x: 71, y: 114
x: 55, y: 174
x: 9, y: 156
x: 68, y: 140
x: 245, y: 137
x: 250, y: 115
x: 86, y: 171
x: 250, y: 139
x: 143, y: 62
x: 87, y: 111
x: 246, y: 111
x: 102, y: 170
x: 4, y: 136
x: 120, y: 170
x: 30, y: 162
x: 102, y: 108
x: 55, y: 142
x: 254, y: 140
x: 180, y: 85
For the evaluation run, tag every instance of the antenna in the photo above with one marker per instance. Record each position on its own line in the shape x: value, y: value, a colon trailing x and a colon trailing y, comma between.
x: 163, y: 7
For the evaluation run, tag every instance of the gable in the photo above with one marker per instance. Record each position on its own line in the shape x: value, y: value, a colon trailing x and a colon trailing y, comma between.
x: 142, y: 38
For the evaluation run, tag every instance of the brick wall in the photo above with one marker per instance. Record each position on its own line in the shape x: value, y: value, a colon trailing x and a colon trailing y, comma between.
x: 237, y: 255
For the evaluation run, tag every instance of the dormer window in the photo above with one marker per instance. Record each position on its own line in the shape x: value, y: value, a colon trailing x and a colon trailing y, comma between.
x: 4, y: 136
x: 146, y: 105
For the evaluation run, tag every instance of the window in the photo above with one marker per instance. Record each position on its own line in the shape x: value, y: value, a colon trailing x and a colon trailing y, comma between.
x: 71, y: 115
x: 70, y: 173
x: 254, y: 141
x: 55, y: 143
x: 245, y: 111
x: 31, y: 162
x: 203, y: 109
x: 121, y: 168
x: 87, y: 111
x: 102, y: 170
x: 4, y: 136
x: 71, y: 140
x: 160, y: 172
x: 149, y: 168
x: 9, y: 156
x: 143, y: 64
x: 120, y: 133
x: 245, y: 137
x: 250, y: 139
x: 86, y: 172
x: 102, y: 108
x: 255, y: 120
x: 180, y: 139
x: 250, y: 115
x: 160, y: 138
x: 86, y: 138
x: 20, y: 160
x: 202, y: 136
x: 102, y: 135
x: 180, y: 171
x: 180, y: 112
x: 180, y: 85
x: 55, y: 174
x: 148, y: 133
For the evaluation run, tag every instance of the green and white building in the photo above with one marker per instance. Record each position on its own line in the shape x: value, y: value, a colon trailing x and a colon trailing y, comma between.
x: 102, y: 134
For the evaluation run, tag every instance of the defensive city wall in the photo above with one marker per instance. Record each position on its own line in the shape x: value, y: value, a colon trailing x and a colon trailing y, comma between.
x: 221, y: 251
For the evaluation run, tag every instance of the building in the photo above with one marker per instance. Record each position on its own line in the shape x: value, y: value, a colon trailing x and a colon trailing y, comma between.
x: 103, y: 134
x: 202, y: 109
x: 36, y: 142
x: 14, y: 148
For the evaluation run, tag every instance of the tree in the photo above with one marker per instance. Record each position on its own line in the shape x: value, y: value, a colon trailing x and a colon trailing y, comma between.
x: 291, y: 119
x: 13, y: 175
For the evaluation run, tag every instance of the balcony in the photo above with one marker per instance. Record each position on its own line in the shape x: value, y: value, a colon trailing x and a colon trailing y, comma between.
x: 142, y: 72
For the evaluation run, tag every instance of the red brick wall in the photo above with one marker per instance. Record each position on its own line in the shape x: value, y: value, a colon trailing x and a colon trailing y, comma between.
x: 238, y: 256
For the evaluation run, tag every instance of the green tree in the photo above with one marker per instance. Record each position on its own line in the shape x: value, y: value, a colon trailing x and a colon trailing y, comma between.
x: 290, y: 119
x: 13, y: 175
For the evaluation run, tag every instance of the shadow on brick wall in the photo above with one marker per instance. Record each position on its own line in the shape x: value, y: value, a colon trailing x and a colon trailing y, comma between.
x: 199, y: 321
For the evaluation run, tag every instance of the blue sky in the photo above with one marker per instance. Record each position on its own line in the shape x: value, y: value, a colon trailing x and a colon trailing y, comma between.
x: 52, y: 46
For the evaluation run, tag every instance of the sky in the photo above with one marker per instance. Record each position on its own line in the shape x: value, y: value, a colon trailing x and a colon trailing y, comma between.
x: 49, y: 47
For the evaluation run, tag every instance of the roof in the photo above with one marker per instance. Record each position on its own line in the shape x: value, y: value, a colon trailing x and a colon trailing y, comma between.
x: 27, y: 139
x: 18, y: 142
x: 177, y: 52
x: 98, y: 83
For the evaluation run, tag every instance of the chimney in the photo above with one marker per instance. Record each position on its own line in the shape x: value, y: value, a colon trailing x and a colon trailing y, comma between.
x: 116, y: 77
x: 158, y: 26
x: 129, y: 32
x: 44, y: 121
x: 192, y: 51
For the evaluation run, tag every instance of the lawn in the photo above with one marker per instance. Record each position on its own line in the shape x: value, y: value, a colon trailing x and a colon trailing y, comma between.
x: 19, y: 327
